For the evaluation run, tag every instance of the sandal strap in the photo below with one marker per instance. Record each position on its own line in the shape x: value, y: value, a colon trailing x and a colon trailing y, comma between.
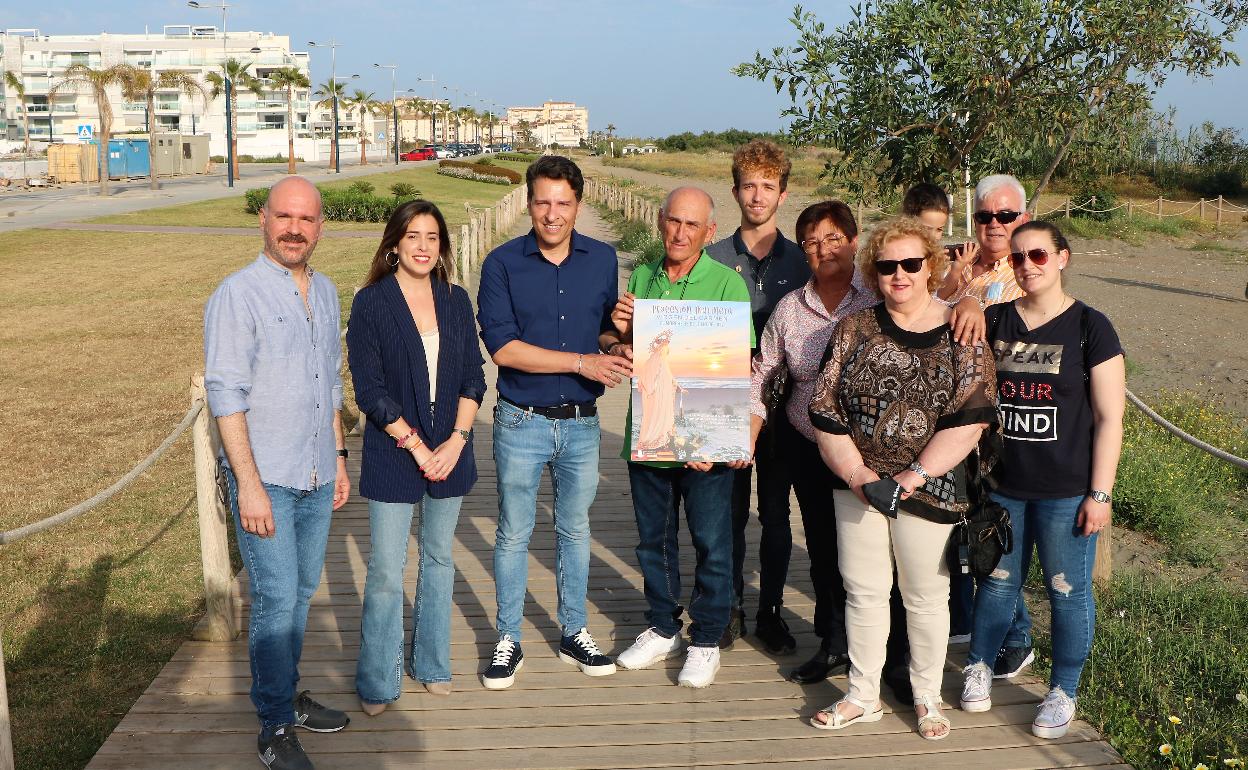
x: 933, y: 714
x: 837, y: 718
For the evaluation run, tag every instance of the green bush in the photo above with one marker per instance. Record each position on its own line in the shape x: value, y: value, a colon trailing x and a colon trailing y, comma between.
x: 404, y: 190
x: 349, y: 205
x: 504, y: 175
x: 637, y: 239
x: 255, y: 199
x: 360, y: 186
x: 519, y: 157
x: 1095, y: 196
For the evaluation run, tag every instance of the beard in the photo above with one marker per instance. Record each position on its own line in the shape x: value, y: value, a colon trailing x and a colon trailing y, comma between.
x: 291, y: 252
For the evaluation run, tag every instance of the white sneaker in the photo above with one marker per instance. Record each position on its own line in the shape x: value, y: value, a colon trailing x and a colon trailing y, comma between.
x: 977, y: 689
x: 1056, y: 712
x: 701, y: 665
x: 650, y: 648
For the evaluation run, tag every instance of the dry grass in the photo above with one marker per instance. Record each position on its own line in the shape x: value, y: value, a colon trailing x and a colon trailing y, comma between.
x: 808, y: 164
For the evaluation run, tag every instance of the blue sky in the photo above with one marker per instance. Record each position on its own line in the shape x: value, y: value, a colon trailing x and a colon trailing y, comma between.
x: 651, y: 67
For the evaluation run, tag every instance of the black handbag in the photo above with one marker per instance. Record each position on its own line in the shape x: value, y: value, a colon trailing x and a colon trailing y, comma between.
x: 985, y: 533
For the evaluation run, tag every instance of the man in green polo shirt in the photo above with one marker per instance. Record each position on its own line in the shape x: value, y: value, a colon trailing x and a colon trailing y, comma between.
x: 686, y: 273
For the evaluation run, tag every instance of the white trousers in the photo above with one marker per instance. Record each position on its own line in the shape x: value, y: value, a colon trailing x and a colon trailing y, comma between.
x: 868, y: 542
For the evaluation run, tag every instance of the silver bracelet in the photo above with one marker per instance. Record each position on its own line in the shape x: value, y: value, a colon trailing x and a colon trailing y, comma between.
x: 850, y: 482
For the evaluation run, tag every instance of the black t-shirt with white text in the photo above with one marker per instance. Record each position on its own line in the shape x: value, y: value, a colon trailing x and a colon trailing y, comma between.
x: 1046, y: 418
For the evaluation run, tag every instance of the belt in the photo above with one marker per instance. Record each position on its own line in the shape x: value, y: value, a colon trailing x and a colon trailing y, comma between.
x: 561, y: 412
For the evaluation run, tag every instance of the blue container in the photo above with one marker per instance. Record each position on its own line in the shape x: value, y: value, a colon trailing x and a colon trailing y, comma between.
x: 127, y: 158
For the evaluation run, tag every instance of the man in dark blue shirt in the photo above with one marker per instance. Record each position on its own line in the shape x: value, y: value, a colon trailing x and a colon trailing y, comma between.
x: 543, y: 300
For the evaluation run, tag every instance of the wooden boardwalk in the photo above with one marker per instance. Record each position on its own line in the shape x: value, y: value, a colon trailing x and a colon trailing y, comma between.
x: 197, y: 714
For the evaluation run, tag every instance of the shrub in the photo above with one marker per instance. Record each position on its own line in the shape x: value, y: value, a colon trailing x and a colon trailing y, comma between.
x: 519, y: 157
x: 339, y: 205
x: 637, y: 239
x: 404, y: 190
x: 1096, y: 196
x: 503, y: 175
x: 360, y: 186
x: 466, y: 172
x: 255, y: 199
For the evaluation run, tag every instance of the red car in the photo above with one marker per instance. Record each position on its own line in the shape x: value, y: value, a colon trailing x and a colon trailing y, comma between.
x: 423, y: 153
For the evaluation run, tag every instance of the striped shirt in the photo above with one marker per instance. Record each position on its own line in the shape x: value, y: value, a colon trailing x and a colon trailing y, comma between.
x: 991, y: 287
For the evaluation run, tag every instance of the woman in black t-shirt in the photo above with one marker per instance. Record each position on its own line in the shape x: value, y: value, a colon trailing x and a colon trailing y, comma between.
x: 1061, y: 387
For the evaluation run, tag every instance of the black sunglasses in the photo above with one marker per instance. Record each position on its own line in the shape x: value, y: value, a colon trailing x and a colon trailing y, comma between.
x: 889, y: 266
x: 1037, y: 257
x: 1004, y: 217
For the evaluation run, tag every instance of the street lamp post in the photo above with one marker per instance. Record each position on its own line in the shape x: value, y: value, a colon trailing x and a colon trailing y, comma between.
x: 332, y: 45
x: 394, y: 105
x: 229, y: 123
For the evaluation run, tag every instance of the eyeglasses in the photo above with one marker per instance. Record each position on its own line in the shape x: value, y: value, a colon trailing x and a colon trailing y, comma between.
x: 1037, y: 256
x: 889, y: 266
x: 1004, y: 217
x: 833, y: 241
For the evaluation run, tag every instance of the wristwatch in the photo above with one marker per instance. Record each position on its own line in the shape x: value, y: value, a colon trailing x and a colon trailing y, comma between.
x: 342, y: 453
x: 465, y: 434
x: 1099, y: 496
x: 921, y: 471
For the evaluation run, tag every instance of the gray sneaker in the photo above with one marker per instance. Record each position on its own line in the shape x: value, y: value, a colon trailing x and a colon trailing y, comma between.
x: 311, y: 715
x: 1055, y: 715
x: 977, y: 688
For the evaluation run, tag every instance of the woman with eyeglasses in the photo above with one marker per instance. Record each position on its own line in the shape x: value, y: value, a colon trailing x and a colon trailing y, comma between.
x: 899, y: 397
x: 1062, y: 389
x: 417, y: 368
x: 795, y: 337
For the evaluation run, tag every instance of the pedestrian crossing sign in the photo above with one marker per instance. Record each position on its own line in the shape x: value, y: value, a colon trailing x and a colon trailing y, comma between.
x: 85, y: 133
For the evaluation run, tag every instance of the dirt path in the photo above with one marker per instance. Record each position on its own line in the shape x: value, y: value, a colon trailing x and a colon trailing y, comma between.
x: 1181, y: 313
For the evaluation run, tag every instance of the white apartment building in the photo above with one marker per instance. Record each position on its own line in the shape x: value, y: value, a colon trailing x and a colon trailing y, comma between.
x: 560, y: 123
x: 40, y: 61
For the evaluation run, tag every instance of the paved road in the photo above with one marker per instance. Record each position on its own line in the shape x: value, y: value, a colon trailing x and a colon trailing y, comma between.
x: 23, y: 209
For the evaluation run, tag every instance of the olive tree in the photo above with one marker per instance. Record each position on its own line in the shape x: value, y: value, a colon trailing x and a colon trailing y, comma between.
x: 910, y: 90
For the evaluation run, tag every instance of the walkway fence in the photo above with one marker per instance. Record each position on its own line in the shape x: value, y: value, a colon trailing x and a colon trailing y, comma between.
x: 635, y: 207
x: 221, y: 604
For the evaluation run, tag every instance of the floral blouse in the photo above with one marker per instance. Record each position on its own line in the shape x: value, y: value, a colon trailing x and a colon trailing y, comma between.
x: 891, y: 389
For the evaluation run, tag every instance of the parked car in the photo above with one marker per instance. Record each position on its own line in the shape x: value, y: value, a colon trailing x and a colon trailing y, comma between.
x: 421, y: 153
x: 443, y: 151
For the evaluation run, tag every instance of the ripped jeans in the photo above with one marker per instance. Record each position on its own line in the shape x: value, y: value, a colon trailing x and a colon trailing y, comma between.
x: 1066, y: 557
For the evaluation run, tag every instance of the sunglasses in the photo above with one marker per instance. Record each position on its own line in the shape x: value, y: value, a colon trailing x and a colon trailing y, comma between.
x: 889, y: 266
x: 1004, y: 217
x: 1037, y: 256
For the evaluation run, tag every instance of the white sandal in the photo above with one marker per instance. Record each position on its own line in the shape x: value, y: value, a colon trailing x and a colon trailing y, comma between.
x: 932, y: 718
x: 839, y: 721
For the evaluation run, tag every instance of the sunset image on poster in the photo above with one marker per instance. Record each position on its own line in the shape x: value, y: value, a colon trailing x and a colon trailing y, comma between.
x: 691, y: 381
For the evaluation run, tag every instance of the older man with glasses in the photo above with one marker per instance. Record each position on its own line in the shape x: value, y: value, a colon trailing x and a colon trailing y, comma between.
x: 982, y: 271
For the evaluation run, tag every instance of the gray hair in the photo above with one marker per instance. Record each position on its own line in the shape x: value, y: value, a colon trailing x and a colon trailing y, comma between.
x: 710, y: 202
x: 990, y: 184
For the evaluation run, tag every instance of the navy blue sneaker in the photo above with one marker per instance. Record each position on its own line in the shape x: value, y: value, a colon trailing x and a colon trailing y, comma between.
x: 507, y: 660
x: 581, y: 650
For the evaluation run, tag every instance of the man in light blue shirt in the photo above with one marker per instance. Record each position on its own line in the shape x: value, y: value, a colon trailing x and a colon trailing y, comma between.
x: 272, y: 367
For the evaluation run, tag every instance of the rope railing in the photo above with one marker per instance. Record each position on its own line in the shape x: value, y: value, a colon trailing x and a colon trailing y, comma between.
x: 1184, y: 435
x: 13, y: 535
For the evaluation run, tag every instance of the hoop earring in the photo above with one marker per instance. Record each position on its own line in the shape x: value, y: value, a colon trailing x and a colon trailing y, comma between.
x: 395, y: 263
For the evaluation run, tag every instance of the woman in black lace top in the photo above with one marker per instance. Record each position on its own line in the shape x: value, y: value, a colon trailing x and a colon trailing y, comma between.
x: 897, y: 396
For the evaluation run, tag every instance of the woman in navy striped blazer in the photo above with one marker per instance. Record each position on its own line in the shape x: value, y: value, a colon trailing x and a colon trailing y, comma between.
x: 412, y: 349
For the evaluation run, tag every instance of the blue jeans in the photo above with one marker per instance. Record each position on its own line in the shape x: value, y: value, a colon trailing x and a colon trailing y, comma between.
x: 378, y: 673
x: 1066, y: 557
x: 524, y: 444
x: 283, y: 572
x: 657, y: 495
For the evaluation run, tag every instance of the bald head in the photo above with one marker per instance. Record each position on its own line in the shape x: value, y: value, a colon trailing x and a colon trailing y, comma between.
x: 688, y: 222
x: 291, y: 221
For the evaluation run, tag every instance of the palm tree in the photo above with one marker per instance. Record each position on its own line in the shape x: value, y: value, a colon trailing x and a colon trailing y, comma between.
x: 236, y: 72
x: 386, y: 111
x: 288, y: 79
x: 14, y: 83
x: 362, y: 102
x: 327, y: 92
x: 142, y: 85
x: 464, y: 116
x: 99, y: 81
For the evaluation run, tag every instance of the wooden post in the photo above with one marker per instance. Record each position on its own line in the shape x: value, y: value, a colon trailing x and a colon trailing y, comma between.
x: 1103, y: 567
x: 1130, y: 208
x: 6, y: 735
x: 1219, y: 222
x: 859, y: 219
x: 214, y: 544
x: 463, y: 254
x: 1068, y: 207
x: 1159, y: 207
x: 1202, y: 209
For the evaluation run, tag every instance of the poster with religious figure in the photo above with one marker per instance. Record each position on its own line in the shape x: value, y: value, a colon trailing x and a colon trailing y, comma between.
x: 691, y: 381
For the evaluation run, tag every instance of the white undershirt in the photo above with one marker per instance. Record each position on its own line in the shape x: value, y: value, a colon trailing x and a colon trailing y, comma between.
x: 431, y: 342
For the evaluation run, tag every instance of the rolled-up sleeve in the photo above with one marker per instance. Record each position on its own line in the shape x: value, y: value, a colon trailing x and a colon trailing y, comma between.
x: 494, y: 311
x: 472, y: 385
x: 229, y: 351
x: 364, y: 360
